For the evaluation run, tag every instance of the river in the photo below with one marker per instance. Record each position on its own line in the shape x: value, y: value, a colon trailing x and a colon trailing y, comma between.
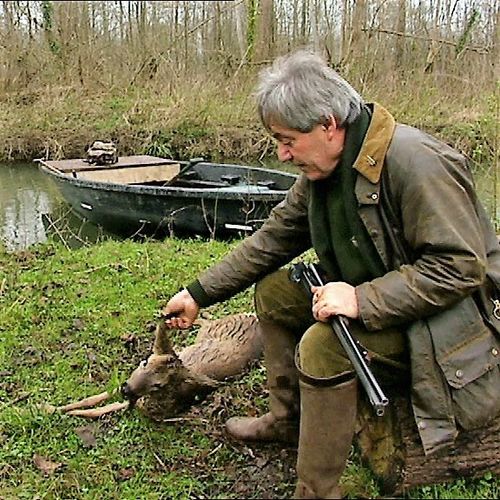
x: 31, y: 209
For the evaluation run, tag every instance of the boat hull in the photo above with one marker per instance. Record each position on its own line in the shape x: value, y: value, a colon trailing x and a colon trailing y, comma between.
x: 158, y: 211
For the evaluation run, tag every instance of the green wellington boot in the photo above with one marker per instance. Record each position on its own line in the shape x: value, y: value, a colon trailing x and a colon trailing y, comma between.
x: 281, y: 423
x: 328, y: 417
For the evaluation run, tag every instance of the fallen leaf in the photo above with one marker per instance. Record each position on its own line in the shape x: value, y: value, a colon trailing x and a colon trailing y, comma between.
x: 129, y: 340
x: 45, y: 465
x: 47, y: 408
x: 150, y: 327
x: 22, y: 395
x: 86, y: 434
x: 78, y: 324
x: 125, y: 474
x: 91, y: 356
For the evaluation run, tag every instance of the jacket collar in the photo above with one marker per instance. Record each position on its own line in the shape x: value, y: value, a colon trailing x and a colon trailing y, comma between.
x: 371, y: 156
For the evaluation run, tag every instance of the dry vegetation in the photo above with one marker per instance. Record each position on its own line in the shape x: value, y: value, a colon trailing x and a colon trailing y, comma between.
x: 175, y: 78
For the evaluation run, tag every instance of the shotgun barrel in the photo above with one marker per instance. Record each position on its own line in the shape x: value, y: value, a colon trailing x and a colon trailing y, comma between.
x: 308, y: 276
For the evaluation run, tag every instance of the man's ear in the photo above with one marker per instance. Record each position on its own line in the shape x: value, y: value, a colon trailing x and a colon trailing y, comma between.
x: 330, y: 125
x: 332, y: 121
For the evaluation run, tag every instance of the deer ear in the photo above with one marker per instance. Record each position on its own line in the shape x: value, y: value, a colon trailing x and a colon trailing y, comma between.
x: 162, y: 344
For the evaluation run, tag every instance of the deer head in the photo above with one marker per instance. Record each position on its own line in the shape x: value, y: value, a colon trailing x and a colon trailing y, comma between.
x: 163, y: 380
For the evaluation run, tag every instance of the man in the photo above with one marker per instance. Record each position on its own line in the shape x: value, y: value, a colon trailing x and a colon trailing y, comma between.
x: 411, y: 259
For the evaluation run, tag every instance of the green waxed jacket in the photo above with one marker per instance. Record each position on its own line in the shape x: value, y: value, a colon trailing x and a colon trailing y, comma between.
x: 442, y: 258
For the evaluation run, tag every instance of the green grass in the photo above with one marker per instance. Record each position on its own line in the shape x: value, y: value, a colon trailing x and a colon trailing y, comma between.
x: 63, y: 318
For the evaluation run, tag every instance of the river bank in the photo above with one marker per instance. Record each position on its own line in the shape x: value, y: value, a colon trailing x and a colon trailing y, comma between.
x: 216, y: 120
x: 211, y: 119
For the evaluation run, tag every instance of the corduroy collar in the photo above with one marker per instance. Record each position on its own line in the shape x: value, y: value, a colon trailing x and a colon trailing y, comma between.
x: 370, y: 159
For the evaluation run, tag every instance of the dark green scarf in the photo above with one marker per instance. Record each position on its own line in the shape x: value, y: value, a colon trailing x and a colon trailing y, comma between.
x: 339, y: 237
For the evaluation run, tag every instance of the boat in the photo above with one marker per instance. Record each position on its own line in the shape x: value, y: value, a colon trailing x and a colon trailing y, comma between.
x: 145, y: 195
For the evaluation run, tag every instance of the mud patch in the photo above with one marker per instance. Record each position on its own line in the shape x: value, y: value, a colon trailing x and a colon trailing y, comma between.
x: 262, y: 470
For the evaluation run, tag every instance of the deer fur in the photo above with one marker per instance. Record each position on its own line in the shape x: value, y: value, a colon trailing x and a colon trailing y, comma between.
x: 168, y: 383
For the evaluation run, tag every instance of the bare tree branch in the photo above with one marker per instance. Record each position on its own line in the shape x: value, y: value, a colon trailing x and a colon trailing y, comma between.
x: 479, y: 50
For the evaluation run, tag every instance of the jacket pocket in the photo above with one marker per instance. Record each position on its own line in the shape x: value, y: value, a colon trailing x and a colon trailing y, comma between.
x: 478, y: 402
x: 471, y: 360
x: 471, y: 366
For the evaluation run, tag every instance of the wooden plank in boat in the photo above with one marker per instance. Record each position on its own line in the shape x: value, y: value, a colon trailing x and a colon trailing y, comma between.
x: 133, y: 175
x: 78, y: 165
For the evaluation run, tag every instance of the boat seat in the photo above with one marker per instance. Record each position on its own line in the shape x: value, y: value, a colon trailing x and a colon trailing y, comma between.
x: 267, y: 183
x: 199, y: 183
x: 132, y: 175
x: 231, y: 178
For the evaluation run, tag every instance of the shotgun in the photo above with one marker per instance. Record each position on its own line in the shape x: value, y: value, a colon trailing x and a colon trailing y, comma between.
x: 308, y: 276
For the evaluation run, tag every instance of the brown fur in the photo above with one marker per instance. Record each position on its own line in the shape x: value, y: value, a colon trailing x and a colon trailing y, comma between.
x: 167, y: 383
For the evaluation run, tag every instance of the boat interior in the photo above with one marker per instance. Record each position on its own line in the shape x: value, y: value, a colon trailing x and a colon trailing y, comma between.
x: 152, y: 171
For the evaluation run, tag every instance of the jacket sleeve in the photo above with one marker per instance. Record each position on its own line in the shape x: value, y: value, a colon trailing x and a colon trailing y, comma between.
x: 433, y: 191
x: 282, y: 237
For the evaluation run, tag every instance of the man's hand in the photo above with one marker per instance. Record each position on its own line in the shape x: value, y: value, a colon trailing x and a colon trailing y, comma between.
x: 184, y: 308
x: 334, y: 298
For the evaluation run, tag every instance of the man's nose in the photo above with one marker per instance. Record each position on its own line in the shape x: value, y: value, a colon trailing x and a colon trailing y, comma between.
x: 284, y: 153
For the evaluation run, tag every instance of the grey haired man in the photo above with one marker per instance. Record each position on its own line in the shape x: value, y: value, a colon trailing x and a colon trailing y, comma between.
x: 411, y: 258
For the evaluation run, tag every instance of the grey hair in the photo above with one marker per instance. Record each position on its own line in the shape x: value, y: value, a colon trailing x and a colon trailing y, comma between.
x: 300, y: 90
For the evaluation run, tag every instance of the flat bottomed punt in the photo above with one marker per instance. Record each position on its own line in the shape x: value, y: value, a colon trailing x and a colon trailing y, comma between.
x: 151, y: 196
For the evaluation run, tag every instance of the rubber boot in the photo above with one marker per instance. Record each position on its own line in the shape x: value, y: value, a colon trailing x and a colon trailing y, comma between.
x: 328, y: 416
x: 281, y: 423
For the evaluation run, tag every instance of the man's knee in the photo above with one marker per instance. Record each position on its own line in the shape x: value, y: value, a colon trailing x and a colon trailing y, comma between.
x: 279, y: 300
x: 267, y: 292
x: 320, y: 354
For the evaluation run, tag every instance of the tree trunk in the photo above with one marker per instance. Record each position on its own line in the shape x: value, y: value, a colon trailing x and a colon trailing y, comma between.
x: 313, y: 17
x: 265, y: 38
x: 252, y: 15
x: 400, y: 41
x: 240, y: 32
x: 391, y: 447
x: 304, y: 25
x: 346, y: 30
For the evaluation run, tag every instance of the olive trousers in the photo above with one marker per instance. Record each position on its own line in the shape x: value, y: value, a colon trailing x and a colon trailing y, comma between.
x: 319, y: 354
x: 328, y: 389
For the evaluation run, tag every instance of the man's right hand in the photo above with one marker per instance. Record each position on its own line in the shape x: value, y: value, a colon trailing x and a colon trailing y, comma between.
x: 184, y: 308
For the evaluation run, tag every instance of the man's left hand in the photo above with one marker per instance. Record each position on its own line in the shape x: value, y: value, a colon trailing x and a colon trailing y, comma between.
x: 334, y: 298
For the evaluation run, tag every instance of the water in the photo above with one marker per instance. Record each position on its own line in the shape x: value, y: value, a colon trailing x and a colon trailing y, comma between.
x: 31, y: 210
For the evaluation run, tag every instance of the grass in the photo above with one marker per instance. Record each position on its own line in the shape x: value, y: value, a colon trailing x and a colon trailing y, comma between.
x: 199, y: 118
x: 64, y: 316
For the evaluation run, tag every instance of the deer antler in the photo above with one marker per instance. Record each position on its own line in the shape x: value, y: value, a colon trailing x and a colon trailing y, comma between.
x: 162, y: 343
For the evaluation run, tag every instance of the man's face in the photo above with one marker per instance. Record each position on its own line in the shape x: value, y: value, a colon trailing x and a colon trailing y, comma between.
x: 316, y: 153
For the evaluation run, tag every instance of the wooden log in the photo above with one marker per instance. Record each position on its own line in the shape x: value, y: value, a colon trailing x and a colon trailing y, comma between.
x: 390, y: 446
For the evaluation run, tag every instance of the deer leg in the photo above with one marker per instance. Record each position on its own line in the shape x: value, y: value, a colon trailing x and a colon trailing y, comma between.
x: 99, y: 412
x: 86, y: 402
x: 84, y: 407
